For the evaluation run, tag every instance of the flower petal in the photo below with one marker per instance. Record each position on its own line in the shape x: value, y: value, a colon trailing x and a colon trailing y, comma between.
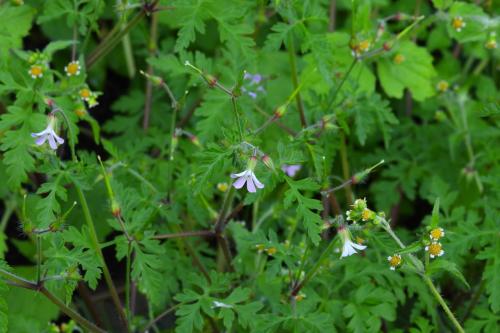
x: 250, y: 184
x: 358, y: 246
x: 238, y: 183
x: 237, y: 175
x: 40, y: 140
x: 52, y: 142
x: 256, y: 181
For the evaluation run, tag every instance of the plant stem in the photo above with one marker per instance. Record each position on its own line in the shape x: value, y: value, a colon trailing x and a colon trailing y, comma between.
x: 443, y: 304
x: 38, y: 259
x: 160, y: 316
x: 97, y: 248
x: 184, y: 234
x: 114, y: 37
x: 23, y: 283
x: 127, y: 282
x: 153, y: 33
x: 295, y: 81
x: 420, y: 268
x: 344, y: 79
x: 220, y: 227
x: 345, y: 169
x: 310, y: 274
x: 237, y: 116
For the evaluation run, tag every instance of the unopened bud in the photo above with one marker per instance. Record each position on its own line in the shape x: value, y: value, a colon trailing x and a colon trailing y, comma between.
x: 268, y: 162
x: 49, y: 102
x: 387, y: 46
x: 156, y: 80
x: 280, y: 111
x: 194, y: 139
x: 115, y: 209
x: 211, y: 80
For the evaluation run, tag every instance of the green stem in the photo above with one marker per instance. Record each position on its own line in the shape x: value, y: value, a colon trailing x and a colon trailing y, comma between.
x: 344, y: 79
x: 23, y: 283
x: 160, y: 316
x: 310, y: 274
x: 237, y: 117
x: 345, y: 168
x: 295, y: 81
x: 443, y: 304
x: 113, y: 38
x: 127, y: 282
x: 38, y: 259
x: 420, y: 268
x: 97, y: 248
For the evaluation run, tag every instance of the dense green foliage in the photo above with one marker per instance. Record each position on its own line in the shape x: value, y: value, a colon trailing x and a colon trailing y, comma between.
x: 200, y: 165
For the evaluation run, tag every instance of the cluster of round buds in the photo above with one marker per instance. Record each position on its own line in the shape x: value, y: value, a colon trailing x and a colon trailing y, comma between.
x: 491, y: 43
x: 442, y: 86
x: 458, y: 23
x: 435, y: 249
x: 394, y: 261
x: 269, y: 250
x: 73, y: 68
x: 358, y: 210
x: 38, y: 65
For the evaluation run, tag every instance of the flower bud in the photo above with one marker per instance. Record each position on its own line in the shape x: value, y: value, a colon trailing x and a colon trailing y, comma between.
x: 268, y: 162
x: 115, y: 209
x: 194, y: 139
x: 280, y: 111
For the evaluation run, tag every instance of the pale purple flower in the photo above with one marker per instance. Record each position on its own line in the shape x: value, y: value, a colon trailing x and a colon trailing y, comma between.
x: 291, y: 170
x: 48, y: 134
x: 253, y: 87
x: 247, y: 177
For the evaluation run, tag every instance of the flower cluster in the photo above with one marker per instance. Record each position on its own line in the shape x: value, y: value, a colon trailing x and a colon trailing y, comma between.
x: 435, y: 248
x: 38, y: 65
x: 269, y: 250
x: 359, y: 48
x: 394, y: 261
x: 360, y: 212
x: 252, y: 86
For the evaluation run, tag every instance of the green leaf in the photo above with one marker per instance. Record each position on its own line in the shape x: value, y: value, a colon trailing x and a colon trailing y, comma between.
x: 439, y: 265
x: 476, y: 22
x: 16, y: 23
x: 435, y: 214
x: 312, y: 221
x: 491, y: 273
x: 415, y: 72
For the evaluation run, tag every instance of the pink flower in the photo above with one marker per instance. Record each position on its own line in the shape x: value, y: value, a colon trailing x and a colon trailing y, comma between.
x: 249, y: 178
x: 291, y: 170
x: 48, y: 134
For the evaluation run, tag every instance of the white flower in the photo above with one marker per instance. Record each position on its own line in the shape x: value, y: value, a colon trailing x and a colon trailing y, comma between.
x: 349, y: 248
x: 247, y: 177
x: 48, y: 134
x: 217, y: 304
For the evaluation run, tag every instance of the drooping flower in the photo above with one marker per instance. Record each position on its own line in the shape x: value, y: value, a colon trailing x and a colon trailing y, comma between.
x: 348, y: 246
x: 435, y: 249
x: 394, y: 261
x: 36, y: 71
x: 436, y: 234
x: 73, y: 68
x: 458, y: 23
x: 291, y: 170
x: 48, y: 134
x: 247, y: 177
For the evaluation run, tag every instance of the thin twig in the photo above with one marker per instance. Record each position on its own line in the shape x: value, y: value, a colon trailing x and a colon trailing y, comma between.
x: 185, y: 234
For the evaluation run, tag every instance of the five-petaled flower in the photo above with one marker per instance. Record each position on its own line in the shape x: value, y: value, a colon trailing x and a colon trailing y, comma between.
x: 255, y: 82
x: 435, y: 249
x: 48, y: 134
x: 394, y: 261
x: 36, y: 71
x: 73, y: 68
x: 248, y: 177
x: 458, y: 23
x: 436, y: 233
x: 291, y: 170
x: 348, y: 246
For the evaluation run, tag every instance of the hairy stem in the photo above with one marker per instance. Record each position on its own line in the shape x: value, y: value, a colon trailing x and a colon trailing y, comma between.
x: 153, y: 33
x: 97, y: 248
x: 295, y: 81
x: 23, y: 283
x: 345, y: 169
